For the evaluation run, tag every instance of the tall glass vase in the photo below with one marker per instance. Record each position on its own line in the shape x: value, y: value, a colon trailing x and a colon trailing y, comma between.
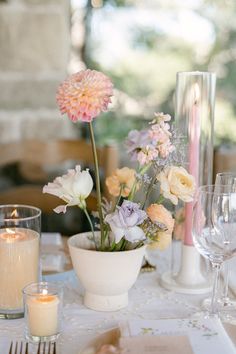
x: 194, y: 116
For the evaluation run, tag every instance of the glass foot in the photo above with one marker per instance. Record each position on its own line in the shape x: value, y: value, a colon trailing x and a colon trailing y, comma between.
x: 204, y: 315
x: 223, y: 304
x: 226, y: 308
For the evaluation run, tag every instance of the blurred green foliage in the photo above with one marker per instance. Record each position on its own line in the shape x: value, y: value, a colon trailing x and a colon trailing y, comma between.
x: 144, y: 70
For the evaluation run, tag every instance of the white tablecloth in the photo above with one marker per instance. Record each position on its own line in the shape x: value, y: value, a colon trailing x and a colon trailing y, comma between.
x: 147, y: 300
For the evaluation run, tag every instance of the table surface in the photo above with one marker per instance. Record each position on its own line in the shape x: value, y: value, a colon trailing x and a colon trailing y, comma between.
x: 147, y: 300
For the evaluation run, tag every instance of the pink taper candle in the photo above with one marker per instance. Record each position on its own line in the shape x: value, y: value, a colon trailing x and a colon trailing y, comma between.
x: 193, y: 159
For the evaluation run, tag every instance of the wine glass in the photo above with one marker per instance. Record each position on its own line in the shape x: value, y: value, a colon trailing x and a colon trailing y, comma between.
x: 226, y: 304
x: 226, y: 178
x: 214, y: 229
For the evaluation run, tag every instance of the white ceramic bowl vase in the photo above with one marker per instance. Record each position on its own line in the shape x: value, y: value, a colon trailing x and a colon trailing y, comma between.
x: 106, y: 276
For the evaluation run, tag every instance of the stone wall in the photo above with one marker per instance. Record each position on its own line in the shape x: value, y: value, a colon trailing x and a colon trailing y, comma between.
x: 34, y: 56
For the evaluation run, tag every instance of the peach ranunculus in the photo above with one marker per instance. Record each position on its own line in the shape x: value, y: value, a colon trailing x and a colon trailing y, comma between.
x: 159, y: 214
x: 121, y: 182
x: 176, y: 183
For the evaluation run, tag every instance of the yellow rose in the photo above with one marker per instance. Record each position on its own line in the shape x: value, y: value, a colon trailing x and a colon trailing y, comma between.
x: 176, y: 183
x: 121, y: 181
x: 158, y: 213
x: 164, y: 239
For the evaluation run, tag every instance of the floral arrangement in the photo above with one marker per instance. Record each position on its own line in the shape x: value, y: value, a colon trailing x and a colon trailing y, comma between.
x: 128, y: 222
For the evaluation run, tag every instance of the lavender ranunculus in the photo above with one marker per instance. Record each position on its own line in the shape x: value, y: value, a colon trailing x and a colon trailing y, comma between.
x: 137, y: 140
x: 124, y: 221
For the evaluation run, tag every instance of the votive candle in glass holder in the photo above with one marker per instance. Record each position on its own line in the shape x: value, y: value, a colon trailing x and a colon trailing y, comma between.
x: 43, y: 308
x: 19, y: 255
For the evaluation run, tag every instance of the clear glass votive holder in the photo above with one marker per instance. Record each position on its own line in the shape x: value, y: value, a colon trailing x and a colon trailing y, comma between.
x: 43, y: 311
x: 20, y: 227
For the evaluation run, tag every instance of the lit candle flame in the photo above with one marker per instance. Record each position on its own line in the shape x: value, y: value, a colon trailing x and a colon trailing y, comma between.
x: 10, y: 231
x: 45, y: 298
x: 196, y: 93
x: 14, y: 214
x: 44, y: 292
x: 11, y: 235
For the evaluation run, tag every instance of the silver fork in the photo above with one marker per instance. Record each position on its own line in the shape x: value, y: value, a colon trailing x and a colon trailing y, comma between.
x: 47, y: 349
x: 21, y: 350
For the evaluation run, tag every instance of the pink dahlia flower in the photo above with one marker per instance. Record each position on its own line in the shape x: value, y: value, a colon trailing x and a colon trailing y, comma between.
x: 84, y: 95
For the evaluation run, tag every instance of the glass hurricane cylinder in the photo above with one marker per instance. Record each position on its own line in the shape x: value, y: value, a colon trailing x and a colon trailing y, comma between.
x: 194, y: 117
x: 19, y: 255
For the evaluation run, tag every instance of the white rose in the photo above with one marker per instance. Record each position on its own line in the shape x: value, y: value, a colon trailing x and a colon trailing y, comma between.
x: 176, y: 183
x: 73, y: 188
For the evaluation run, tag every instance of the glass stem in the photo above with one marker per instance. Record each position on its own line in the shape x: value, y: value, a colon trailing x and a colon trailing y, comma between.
x: 213, y: 309
x: 226, y: 281
x: 91, y: 226
x: 98, y: 189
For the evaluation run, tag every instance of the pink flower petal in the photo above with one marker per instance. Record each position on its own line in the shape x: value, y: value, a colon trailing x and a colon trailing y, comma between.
x: 60, y: 209
x: 84, y: 95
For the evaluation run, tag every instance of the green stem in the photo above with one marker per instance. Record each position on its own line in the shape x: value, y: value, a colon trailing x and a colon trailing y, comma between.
x: 123, y: 244
x: 120, y: 246
x: 98, y: 190
x: 133, y: 190
x: 91, y: 225
x: 113, y: 246
x: 141, y: 171
x: 149, y: 190
x: 160, y: 199
x: 140, y: 244
x: 117, y: 200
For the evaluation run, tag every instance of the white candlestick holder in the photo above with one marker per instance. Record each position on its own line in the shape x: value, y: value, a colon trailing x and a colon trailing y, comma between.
x: 191, y: 278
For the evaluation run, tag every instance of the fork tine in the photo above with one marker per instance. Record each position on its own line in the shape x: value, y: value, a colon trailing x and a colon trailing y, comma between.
x: 54, y: 348
x: 21, y: 351
x: 51, y: 347
x: 10, y: 350
x: 27, y: 348
x: 16, y: 347
x: 39, y: 347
